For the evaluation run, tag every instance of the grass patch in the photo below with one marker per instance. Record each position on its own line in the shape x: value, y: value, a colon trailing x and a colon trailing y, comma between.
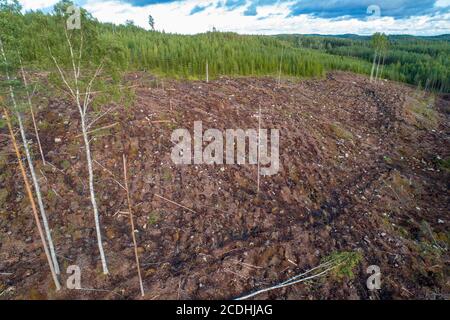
x: 423, y: 114
x: 154, y: 218
x: 166, y: 174
x: 340, y: 132
x: 444, y: 165
x: 388, y: 160
x: 346, y: 262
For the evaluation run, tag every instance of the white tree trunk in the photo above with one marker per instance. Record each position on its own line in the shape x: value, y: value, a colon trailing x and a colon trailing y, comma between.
x: 373, y: 66
x: 82, y: 108
x: 32, y: 171
x: 38, y: 195
x: 92, y: 194
x: 378, y: 67
x: 382, y: 66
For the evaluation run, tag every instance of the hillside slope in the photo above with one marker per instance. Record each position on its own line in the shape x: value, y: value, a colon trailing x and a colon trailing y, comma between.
x: 362, y: 169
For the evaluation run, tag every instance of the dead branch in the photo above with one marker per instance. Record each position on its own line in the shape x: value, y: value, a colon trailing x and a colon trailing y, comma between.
x: 99, y: 129
x: 25, y: 82
x: 112, y: 175
x: 133, y: 234
x: 61, y: 73
x: 177, y: 204
x: 289, y: 282
x: 100, y: 116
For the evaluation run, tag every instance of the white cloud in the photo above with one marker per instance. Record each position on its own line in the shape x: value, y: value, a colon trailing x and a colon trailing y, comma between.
x: 37, y: 4
x: 442, y: 3
x: 273, y: 19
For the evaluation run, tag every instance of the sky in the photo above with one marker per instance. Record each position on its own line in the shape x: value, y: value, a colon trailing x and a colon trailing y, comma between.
x: 365, y: 17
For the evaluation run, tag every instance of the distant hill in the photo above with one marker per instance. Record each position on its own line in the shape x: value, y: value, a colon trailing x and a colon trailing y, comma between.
x: 442, y: 37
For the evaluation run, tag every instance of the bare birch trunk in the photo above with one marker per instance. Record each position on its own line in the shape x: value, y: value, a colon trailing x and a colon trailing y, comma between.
x: 378, y: 67
x: 373, y: 66
x: 33, y: 205
x: 31, y: 168
x: 92, y: 194
x: 382, y: 66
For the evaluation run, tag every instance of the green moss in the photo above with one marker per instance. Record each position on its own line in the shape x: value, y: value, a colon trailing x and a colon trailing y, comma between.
x: 65, y: 165
x: 154, y: 218
x: 346, y: 262
x: 444, y: 165
x: 340, y: 132
x: 3, y: 195
x: 387, y: 159
x: 425, y: 116
x: 166, y: 174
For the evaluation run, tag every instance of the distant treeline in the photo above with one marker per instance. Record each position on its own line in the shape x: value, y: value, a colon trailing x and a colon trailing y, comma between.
x: 418, y: 61
x: 422, y: 61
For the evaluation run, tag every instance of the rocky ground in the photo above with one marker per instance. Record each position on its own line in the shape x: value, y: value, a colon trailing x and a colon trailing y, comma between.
x: 364, y: 168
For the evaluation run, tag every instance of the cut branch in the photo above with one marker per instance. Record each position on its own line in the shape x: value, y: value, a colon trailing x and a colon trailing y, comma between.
x: 36, y: 132
x: 177, y: 204
x: 133, y: 234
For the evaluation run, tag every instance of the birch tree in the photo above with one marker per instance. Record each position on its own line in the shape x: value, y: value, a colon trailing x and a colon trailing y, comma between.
x: 380, y: 44
x: 375, y: 44
x: 26, y: 147
x: 79, y: 77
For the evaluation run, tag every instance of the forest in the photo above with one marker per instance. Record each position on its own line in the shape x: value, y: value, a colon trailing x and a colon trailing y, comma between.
x: 419, y: 61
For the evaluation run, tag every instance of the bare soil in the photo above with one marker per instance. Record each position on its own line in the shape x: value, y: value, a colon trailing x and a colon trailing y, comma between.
x: 361, y: 170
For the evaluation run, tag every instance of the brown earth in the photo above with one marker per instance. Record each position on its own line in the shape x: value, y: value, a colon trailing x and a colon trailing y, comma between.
x: 362, y: 169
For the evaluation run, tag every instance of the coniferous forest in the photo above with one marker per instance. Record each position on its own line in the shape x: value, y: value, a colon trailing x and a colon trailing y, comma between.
x: 420, y: 61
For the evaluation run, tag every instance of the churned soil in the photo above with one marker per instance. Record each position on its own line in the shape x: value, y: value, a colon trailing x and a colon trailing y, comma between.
x: 363, y: 168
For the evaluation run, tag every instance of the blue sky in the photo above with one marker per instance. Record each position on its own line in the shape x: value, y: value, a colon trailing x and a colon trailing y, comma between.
x: 421, y: 17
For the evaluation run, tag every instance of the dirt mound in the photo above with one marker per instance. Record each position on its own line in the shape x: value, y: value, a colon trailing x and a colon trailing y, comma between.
x: 363, y: 168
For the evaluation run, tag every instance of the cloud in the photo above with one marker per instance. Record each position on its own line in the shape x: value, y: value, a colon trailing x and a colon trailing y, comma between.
x: 37, y: 4
x: 143, y: 3
x: 251, y: 11
x: 424, y: 17
x: 200, y: 8
x: 358, y: 8
x: 232, y: 4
